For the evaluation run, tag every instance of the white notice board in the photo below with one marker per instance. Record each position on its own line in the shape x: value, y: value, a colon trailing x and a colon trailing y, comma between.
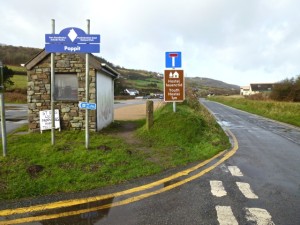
x: 45, y: 120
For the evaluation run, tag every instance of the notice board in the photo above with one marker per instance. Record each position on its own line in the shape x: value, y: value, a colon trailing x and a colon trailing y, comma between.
x: 45, y: 120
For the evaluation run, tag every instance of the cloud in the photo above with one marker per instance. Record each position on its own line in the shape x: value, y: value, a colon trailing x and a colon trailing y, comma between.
x: 234, y: 41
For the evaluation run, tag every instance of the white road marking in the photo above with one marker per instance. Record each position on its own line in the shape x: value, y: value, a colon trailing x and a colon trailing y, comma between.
x: 217, y: 188
x: 259, y: 216
x: 235, y: 171
x: 225, y: 215
x: 246, y: 190
x: 224, y: 168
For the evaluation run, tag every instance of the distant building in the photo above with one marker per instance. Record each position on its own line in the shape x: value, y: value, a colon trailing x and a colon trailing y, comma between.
x: 256, y: 88
x: 245, y: 90
x: 132, y: 92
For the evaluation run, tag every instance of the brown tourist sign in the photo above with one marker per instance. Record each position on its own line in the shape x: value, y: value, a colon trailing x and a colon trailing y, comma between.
x: 174, y: 85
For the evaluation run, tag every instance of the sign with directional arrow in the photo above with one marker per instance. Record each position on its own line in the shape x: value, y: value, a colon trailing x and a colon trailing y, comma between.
x: 86, y: 105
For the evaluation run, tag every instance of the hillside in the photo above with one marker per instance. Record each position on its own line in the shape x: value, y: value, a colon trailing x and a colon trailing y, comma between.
x: 145, y: 82
x: 12, y: 55
x: 210, y: 86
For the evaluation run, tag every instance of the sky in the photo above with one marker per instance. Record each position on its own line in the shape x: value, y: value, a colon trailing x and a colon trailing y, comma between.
x: 234, y: 41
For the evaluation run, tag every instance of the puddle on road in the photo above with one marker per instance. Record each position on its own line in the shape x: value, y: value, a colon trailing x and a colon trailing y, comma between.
x: 174, y: 181
x: 83, y: 214
x: 224, y: 123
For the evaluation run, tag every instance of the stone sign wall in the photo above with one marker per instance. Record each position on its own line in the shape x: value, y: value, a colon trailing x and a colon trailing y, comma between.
x: 38, y: 92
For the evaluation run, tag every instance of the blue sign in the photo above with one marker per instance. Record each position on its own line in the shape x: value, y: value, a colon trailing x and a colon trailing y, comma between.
x: 72, y: 48
x: 86, y: 105
x: 72, y: 40
x: 173, y: 59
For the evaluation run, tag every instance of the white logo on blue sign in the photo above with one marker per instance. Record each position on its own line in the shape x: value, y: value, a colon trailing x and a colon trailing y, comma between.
x: 72, y: 40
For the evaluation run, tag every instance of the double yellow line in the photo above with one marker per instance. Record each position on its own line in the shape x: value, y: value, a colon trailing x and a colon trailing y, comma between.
x: 74, y: 202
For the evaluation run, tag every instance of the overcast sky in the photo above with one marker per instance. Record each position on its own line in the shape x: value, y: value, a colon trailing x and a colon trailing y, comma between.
x: 235, y: 41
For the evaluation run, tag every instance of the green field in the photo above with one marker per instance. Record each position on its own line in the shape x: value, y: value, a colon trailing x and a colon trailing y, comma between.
x: 287, y: 112
x: 17, y: 69
x: 20, y: 81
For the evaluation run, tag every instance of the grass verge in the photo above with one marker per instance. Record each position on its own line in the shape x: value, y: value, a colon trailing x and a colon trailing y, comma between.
x: 175, y: 139
x: 17, y: 93
x: 20, y: 82
x: 287, y: 112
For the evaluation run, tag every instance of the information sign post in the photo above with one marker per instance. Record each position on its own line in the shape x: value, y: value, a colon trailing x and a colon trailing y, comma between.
x: 72, y: 40
x: 87, y: 93
x: 174, y: 86
x: 173, y: 79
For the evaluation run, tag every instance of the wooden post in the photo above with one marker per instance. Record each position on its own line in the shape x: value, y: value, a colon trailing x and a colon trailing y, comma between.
x: 149, y: 114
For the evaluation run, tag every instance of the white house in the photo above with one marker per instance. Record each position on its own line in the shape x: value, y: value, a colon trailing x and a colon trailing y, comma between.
x: 256, y: 88
x: 132, y: 92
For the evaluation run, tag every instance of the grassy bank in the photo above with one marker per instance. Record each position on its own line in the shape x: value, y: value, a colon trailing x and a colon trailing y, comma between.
x: 20, y: 82
x: 176, y: 139
x: 286, y: 112
x: 17, y: 93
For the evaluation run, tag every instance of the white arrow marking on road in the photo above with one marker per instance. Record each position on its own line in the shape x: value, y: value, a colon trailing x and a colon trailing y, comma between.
x: 225, y: 215
x: 217, y: 188
x: 246, y: 190
x: 235, y: 171
x: 259, y: 216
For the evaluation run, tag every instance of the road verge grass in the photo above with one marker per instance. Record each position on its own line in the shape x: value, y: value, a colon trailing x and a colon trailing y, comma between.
x: 188, y: 135
x: 287, y: 112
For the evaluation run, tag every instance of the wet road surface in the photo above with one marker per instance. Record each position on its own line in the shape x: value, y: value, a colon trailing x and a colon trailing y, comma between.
x: 15, y: 116
x: 257, y: 182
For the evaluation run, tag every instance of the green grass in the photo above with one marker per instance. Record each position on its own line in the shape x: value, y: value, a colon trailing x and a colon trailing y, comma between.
x: 68, y: 165
x: 17, y: 69
x: 20, y: 81
x: 145, y: 84
x: 175, y: 139
x: 184, y: 136
x: 287, y: 112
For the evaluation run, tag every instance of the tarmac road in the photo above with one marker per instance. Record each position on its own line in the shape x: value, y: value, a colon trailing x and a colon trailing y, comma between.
x: 256, y: 182
x: 15, y: 116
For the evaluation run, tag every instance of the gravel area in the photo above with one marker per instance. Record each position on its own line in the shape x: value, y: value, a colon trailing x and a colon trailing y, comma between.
x: 134, y: 112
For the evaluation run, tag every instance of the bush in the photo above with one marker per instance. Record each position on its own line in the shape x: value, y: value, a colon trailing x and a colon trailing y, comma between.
x: 287, y: 90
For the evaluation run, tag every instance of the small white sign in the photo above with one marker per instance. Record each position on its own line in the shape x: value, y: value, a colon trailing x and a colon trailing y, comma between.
x: 45, y: 120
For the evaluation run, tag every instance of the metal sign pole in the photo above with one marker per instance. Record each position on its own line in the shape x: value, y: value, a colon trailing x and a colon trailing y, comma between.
x: 3, y: 123
x: 87, y: 135
x: 174, y: 103
x: 52, y: 91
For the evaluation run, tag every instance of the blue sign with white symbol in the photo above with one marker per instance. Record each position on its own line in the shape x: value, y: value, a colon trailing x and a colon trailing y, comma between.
x: 173, y: 59
x: 72, y: 40
x: 86, y: 105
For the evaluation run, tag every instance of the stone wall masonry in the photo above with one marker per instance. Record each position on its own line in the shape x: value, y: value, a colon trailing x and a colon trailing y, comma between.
x: 39, y: 94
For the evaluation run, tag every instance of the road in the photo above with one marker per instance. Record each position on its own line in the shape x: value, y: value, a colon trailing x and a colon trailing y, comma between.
x: 15, y: 115
x: 256, y: 182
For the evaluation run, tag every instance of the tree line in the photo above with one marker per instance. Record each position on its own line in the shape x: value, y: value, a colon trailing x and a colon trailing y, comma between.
x: 286, y: 90
x: 12, y: 55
